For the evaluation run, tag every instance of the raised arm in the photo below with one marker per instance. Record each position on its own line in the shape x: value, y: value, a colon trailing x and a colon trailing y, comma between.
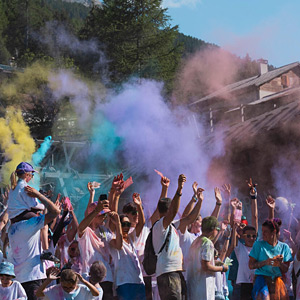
x: 52, y: 209
x: 174, y: 206
x: 253, y: 196
x: 117, y: 242
x: 233, y: 240
x: 271, y: 206
x: 218, y: 197
x: 52, y: 275
x: 186, y: 221
x: 90, y: 286
x: 165, y: 182
x: 117, y: 188
x: 91, y: 190
x: 90, y: 217
x: 226, y: 189
x: 192, y: 202
x: 141, y: 217
x: 72, y: 227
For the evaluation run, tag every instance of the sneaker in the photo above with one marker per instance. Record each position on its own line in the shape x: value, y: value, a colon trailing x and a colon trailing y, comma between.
x: 49, y: 256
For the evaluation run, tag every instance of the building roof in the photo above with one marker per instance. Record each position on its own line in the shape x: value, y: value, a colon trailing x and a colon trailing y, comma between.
x: 263, y: 122
x: 252, y: 81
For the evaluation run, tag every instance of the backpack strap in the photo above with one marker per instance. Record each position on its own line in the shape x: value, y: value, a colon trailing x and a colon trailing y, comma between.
x: 166, y: 240
x: 298, y: 273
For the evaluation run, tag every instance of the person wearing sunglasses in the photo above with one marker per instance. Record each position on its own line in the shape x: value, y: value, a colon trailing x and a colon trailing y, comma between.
x: 127, y: 270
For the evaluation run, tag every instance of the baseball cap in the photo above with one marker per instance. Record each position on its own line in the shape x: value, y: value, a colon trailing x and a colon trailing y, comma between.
x: 25, y: 167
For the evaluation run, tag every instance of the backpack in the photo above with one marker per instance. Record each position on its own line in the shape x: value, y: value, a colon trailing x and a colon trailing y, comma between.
x: 150, y: 258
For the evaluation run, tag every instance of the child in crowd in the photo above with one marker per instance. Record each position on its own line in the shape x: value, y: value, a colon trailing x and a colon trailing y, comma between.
x: 68, y: 287
x: 10, y: 289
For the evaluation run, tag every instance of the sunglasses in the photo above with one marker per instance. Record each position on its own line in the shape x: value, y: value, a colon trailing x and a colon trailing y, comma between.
x: 251, y: 236
x: 126, y: 224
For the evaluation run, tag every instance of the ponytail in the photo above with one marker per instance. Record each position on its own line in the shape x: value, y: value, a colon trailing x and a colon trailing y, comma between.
x: 13, y: 180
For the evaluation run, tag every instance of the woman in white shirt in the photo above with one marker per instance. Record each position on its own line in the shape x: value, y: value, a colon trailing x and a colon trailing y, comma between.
x: 127, y: 269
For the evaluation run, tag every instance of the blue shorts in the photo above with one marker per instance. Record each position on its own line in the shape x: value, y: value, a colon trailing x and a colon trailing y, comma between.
x: 131, y: 291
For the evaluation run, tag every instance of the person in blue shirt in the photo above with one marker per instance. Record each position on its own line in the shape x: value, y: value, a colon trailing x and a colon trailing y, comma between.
x: 270, y: 258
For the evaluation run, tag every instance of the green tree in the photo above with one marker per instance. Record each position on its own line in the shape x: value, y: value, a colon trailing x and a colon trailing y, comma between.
x: 4, y: 54
x: 137, y: 38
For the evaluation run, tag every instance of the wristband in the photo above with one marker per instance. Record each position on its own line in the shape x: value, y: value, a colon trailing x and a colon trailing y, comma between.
x: 217, y: 203
x: 223, y: 269
x: 178, y: 194
x: 195, y: 198
x: 253, y: 195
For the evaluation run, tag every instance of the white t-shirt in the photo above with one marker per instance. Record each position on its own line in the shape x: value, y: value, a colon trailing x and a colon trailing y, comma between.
x: 200, y: 284
x: 19, y: 201
x: 296, y: 269
x: 244, y: 275
x: 127, y: 267
x: 186, y: 240
x: 139, y: 243
x: 26, y: 248
x: 81, y: 293
x: 171, y: 260
x: 13, y: 292
x: 92, y: 249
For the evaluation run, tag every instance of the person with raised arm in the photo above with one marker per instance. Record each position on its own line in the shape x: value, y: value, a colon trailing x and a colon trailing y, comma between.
x: 270, y: 259
x: 25, y: 242
x: 170, y: 281
x: 127, y: 269
x: 190, y: 224
x: 201, y: 267
x: 139, y: 232
x: 68, y: 287
x: 92, y: 248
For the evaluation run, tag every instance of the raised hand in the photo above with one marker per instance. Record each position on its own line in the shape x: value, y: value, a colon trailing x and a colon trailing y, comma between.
x: 90, y: 187
x: 114, y: 217
x: 236, y: 203
x: 218, y: 195
x: 137, y: 199
x: 270, y: 202
x: 181, y: 181
x: 81, y: 279
x: 104, y: 204
x: 194, y: 186
x: 226, y: 189
x: 119, y: 188
x: 252, y: 187
x: 200, y: 194
x: 165, y: 181
x: 53, y: 274
x: 57, y: 202
x: 5, y: 196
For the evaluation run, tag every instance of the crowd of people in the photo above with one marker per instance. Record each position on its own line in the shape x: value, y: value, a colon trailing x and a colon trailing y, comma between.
x: 47, y: 254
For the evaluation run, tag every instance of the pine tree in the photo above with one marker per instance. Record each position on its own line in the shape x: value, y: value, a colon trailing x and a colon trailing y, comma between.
x: 137, y: 38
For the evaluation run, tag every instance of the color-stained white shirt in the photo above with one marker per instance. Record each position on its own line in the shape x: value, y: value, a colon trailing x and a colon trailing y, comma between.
x: 13, y: 292
x: 26, y: 248
x: 19, y: 201
x: 170, y: 260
